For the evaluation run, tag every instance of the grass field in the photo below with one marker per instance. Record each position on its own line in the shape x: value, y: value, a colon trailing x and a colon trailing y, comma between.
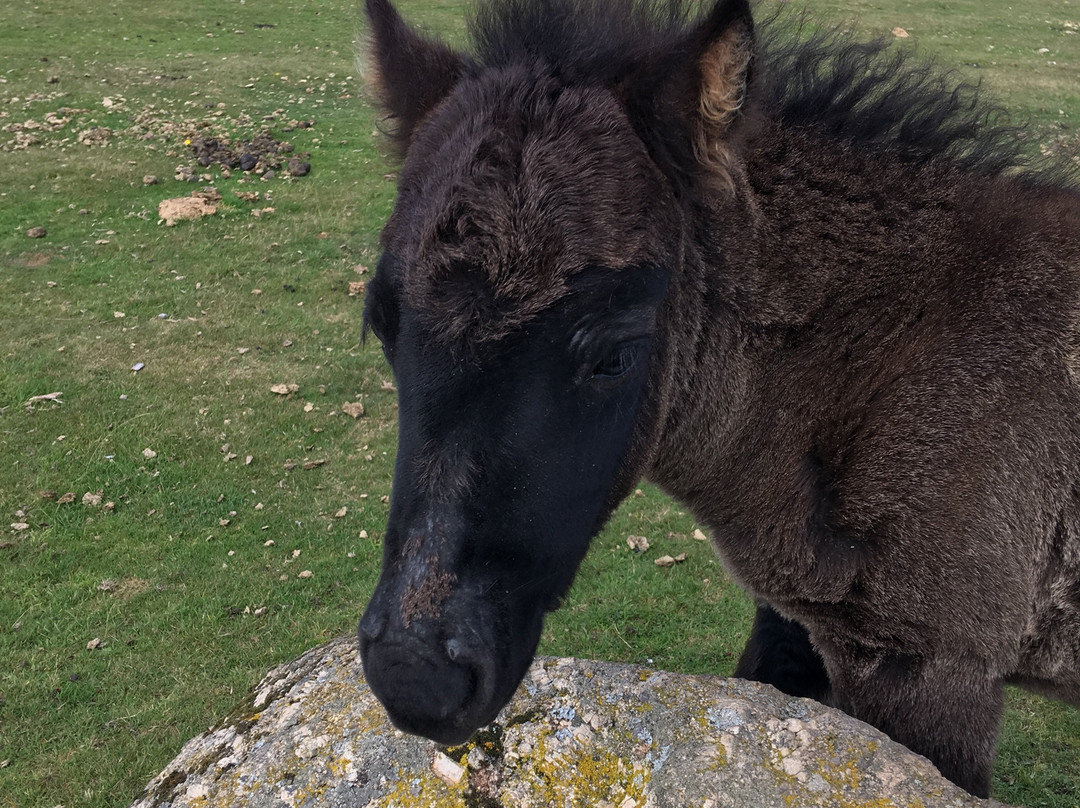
x: 178, y: 529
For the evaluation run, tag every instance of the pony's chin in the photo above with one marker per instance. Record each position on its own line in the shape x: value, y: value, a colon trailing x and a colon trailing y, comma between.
x: 446, y: 733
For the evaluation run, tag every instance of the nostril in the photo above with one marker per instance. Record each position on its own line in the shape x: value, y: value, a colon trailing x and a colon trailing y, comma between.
x: 372, y: 625
x: 454, y: 648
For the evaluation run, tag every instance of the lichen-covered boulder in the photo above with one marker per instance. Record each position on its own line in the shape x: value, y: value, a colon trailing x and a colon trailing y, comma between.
x: 578, y: 733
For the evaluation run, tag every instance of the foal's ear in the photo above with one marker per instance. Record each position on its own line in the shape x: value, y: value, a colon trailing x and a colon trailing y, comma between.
x: 411, y: 73
x: 722, y: 46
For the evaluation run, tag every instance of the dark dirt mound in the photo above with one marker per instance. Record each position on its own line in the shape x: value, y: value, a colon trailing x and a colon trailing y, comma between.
x: 261, y: 154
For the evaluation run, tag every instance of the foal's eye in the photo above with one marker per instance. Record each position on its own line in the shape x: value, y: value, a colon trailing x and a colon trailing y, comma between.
x: 619, y: 361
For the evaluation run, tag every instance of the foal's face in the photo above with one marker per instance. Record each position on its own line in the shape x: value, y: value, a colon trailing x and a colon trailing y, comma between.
x: 517, y: 302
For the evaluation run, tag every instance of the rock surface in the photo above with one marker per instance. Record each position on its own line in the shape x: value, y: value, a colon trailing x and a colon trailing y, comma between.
x: 577, y: 733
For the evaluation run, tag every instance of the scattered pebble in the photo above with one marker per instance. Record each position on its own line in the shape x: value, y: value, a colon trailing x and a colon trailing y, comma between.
x: 447, y: 770
x: 36, y: 232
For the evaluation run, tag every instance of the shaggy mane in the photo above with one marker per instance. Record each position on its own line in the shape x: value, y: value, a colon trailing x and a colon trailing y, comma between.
x: 870, y: 93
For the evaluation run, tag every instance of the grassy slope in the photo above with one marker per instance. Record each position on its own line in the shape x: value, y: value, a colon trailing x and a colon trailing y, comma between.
x: 192, y: 610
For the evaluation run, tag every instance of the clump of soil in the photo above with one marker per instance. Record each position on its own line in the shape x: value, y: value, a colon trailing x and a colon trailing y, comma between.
x: 189, y: 207
x: 262, y: 154
x: 95, y: 136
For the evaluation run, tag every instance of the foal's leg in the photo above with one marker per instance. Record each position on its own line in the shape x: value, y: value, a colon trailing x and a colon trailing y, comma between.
x: 779, y: 653
x: 941, y: 709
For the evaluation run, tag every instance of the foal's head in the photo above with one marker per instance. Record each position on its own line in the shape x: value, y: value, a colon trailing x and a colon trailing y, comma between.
x: 521, y: 300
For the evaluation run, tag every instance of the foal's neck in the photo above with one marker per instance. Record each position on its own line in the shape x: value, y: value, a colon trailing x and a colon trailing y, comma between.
x: 827, y: 219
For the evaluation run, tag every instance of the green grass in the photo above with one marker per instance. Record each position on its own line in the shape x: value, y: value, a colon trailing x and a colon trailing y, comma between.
x: 177, y: 578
